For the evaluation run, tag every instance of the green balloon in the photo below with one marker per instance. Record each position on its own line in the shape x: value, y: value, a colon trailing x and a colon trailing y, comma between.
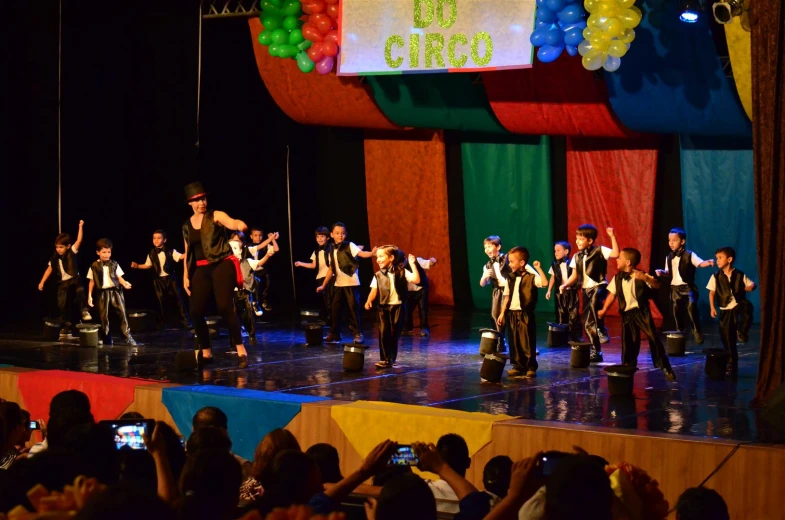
x: 304, y: 62
x: 287, y: 51
x: 276, y: 3
x: 289, y: 23
x: 296, y: 37
x: 273, y: 49
x: 280, y: 36
x: 304, y: 46
x: 271, y: 22
x: 273, y: 6
x: 266, y: 37
x: 292, y: 8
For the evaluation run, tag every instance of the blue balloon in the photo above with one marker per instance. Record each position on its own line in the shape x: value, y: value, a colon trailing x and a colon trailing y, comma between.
x: 548, y: 53
x: 554, y: 37
x: 538, y: 37
x: 573, y: 37
x: 542, y: 3
x: 571, y: 13
x: 572, y: 50
x: 567, y: 26
x: 555, y: 5
x: 574, y: 2
x: 546, y: 15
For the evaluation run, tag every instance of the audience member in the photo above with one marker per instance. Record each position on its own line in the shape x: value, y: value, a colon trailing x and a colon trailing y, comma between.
x: 388, y: 473
x: 326, y: 457
x: 127, y: 416
x: 208, y: 439
x: 213, y: 417
x: 404, y: 496
x: 125, y: 501
x: 210, y: 485
x: 701, y: 503
x: 496, y: 478
x: 13, y: 433
x: 455, y: 452
x: 271, y: 445
x: 66, y: 410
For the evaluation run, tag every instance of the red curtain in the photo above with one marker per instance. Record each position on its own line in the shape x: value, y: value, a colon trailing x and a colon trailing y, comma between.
x: 406, y: 185
x: 313, y: 99
x: 768, y: 136
x: 557, y: 98
x: 610, y: 183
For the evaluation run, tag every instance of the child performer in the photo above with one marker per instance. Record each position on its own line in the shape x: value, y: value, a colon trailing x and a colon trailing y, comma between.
x: 632, y: 288
x: 70, y: 292
x: 567, y: 305
x: 731, y: 287
x: 162, y: 259
x: 589, y: 267
x: 418, y: 298
x: 495, y: 272
x: 520, y: 299
x: 107, y: 276
x: 680, y: 265
x: 320, y: 260
x: 261, y: 293
x: 242, y: 296
x: 344, y: 266
x: 391, y: 284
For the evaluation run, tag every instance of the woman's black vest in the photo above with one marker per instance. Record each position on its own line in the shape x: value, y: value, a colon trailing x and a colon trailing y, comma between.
x: 215, y: 243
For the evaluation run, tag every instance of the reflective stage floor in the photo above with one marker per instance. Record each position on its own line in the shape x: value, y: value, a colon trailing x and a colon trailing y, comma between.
x: 441, y: 371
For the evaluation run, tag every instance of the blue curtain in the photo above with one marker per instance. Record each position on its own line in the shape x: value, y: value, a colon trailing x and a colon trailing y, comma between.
x: 719, y: 206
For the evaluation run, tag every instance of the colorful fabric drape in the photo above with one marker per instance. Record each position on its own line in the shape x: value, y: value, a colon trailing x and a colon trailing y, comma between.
x: 739, y: 49
x: 610, y: 183
x: 406, y: 184
x: 507, y: 192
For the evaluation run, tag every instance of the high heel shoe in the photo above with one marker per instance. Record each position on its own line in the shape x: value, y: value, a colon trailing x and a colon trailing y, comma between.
x: 243, y: 363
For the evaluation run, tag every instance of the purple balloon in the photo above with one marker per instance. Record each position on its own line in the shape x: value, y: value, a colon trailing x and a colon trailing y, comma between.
x: 325, y: 65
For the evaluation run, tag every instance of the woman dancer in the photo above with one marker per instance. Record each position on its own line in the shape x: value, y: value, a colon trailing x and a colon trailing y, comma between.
x: 211, y: 268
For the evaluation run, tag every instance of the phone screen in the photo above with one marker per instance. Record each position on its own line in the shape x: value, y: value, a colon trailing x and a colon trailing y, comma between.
x: 404, y: 456
x: 129, y: 433
x: 34, y: 425
x: 549, y: 461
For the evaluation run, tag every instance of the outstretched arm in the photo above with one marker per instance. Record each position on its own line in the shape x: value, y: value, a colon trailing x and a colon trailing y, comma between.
x: 79, y: 236
x: 367, y: 254
x: 311, y: 265
x: 229, y: 222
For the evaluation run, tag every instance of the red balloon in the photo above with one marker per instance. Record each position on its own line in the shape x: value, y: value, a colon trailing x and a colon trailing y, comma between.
x: 330, y: 49
x: 333, y: 36
x: 322, y: 22
x: 315, y: 52
x: 314, y: 7
x: 310, y: 32
x: 331, y: 2
x: 333, y: 11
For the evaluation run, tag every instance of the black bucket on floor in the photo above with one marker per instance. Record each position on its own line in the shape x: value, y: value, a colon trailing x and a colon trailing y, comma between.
x: 558, y: 334
x: 313, y: 333
x: 716, y: 362
x: 353, y: 357
x: 675, y: 343
x: 493, y: 367
x: 52, y: 329
x: 581, y: 354
x: 621, y: 379
x: 489, y: 342
x: 88, y: 334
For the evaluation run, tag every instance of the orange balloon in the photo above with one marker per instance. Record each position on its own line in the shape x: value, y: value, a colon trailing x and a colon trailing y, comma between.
x: 329, y: 49
x: 322, y: 22
x: 333, y: 11
x: 315, y: 52
x: 311, y: 32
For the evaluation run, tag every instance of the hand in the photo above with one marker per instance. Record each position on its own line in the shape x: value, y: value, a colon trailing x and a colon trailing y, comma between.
x: 500, y: 321
x: 430, y: 458
x: 368, y: 305
x: 81, y: 223
x: 298, y: 264
x: 155, y: 442
x: 711, y: 262
x: 713, y: 312
x: 525, y: 479
x: 640, y: 275
x: 487, y: 273
x: 601, y: 313
x: 660, y: 272
x: 548, y: 295
x: 320, y: 289
x: 377, y: 459
x: 270, y: 236
x: 41, y: 286
x: 187, y: 286
x: 90, y: 301
x: 610, y: 232
x: 412, y: 260
x: 42, y: 426
x: 370, y: 508
x: 241, y: 226
x: 127, y: 285
x: 373, y: 251
x: 270, y: 252
x: 276, y: 235
x: 562, y: 288
x: 536, y: 264
x: 134, y: 265
x: 432, y: 260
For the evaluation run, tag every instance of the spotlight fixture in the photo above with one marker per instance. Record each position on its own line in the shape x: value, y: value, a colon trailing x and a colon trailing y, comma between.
x: 725, y: 10
x: 690, y: 11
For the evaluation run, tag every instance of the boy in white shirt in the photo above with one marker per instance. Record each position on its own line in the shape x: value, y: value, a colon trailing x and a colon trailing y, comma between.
x: 106, y: 276
x: 243, y: 302
x: 320, y: 260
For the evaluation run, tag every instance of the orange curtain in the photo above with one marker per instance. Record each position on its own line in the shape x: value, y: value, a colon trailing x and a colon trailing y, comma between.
x: 406, y: 185
x: 313, y: 99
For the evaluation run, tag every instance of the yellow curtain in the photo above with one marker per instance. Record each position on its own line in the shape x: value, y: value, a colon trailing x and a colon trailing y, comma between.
x: 739, y: 49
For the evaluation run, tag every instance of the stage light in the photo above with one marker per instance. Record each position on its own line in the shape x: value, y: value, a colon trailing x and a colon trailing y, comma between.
x: 690, y: 11
x: 726, y: 10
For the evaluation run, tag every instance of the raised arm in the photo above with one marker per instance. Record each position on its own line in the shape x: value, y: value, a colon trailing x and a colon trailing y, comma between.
x: 415, y: 279
x: 263, y: 260
x: 79, y: 236
x: 46, y: 276
x: 229, y: 222
x: 614, y: 243
x: 273, y: 239
x: 538, y: 267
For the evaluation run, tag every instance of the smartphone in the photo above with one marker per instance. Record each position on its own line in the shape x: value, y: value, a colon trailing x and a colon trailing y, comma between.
x: 549, y: 460
x: 130, y: 432
x: 34, y: 425
x: 403, y: 456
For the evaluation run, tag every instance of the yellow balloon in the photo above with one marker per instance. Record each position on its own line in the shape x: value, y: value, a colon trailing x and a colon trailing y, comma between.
x: 593, y: 59
x: 627, y: 36
x: 588, y: 33
x: 637, y: 10
x: 590, y: 5
x: 625, y: 4
x: 600, y: 42
x: 613, y: 27
x: 617, y: 48
x: 629, y: 18
x: 594, y: 20
x: 608, y: 9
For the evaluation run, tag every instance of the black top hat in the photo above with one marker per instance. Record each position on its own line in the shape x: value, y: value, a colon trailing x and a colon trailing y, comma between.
x: 194, y: 190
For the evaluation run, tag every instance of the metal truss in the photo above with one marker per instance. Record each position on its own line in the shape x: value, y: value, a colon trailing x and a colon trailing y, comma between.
x: 229, y: 8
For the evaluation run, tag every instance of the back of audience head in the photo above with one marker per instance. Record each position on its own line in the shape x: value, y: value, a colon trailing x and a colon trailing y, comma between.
x: 95, y: 445
x: 294, y: 479
x: 270, y: 446
x: 175, y: 451
x: 28, y: 431
x: 137, y: 468
x: 496, y: 475
x: 67, y: 410
x: 125, y: 501
x: 208, y: 439
x: 12, y: 425
x: 326, y: 457
x: 131, y: 415
x: 390, y: 472
x: 210, y: 417
x: 455, y: 452
x: 210, y: 485
x: 406, y: 496
x: 701, y: 503
x: 578, y: 487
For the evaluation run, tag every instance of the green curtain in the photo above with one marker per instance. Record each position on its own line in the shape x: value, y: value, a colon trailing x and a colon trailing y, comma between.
x: 444, y: 101
x: 507, y: 192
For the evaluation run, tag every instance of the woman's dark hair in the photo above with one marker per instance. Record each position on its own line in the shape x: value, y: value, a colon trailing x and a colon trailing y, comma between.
x: 132, y: 415
x: 210, y: 483
x: 406, y: 496
x: 11, y: 418
x: 326, y: 457
x: 208, y: 439
x: 125, y: 501
x: 701, y: 503
x: 270, y: 446
x: 291, y: 481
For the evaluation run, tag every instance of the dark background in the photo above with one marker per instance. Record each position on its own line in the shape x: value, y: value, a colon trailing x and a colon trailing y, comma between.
x: 130, y: 143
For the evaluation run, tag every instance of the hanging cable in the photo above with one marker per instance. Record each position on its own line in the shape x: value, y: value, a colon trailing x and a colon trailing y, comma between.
x: 59, y: 104
x: 291, y: 247
x: 198, y: 77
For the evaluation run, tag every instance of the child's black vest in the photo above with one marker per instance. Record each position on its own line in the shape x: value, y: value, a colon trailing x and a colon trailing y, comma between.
x: 249, y: 280
x: 70, y: 264
x: 596, y: 264
x: 527, y: 291
x: 686, y: 269
x: 326, y: 249
x: 383, y: 285
x: 726, y: 288
x: 346, y: 262
x: 98, y: 273
x: 556, y: 266
x: 504, y: 269
x: 168, y: 266
x: 640, y: 288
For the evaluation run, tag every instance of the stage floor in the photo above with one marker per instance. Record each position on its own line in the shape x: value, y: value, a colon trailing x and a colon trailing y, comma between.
x: 441, y: 371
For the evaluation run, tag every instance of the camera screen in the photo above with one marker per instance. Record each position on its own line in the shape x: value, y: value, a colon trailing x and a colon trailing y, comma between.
x: 404, y: 456
x: 129, y: 435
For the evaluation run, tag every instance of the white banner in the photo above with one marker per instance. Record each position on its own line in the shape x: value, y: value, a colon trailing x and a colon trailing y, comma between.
x: 432, y: 36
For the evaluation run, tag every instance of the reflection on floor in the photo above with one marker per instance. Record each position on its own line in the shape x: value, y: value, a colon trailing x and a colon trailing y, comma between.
x: 442, y: 371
